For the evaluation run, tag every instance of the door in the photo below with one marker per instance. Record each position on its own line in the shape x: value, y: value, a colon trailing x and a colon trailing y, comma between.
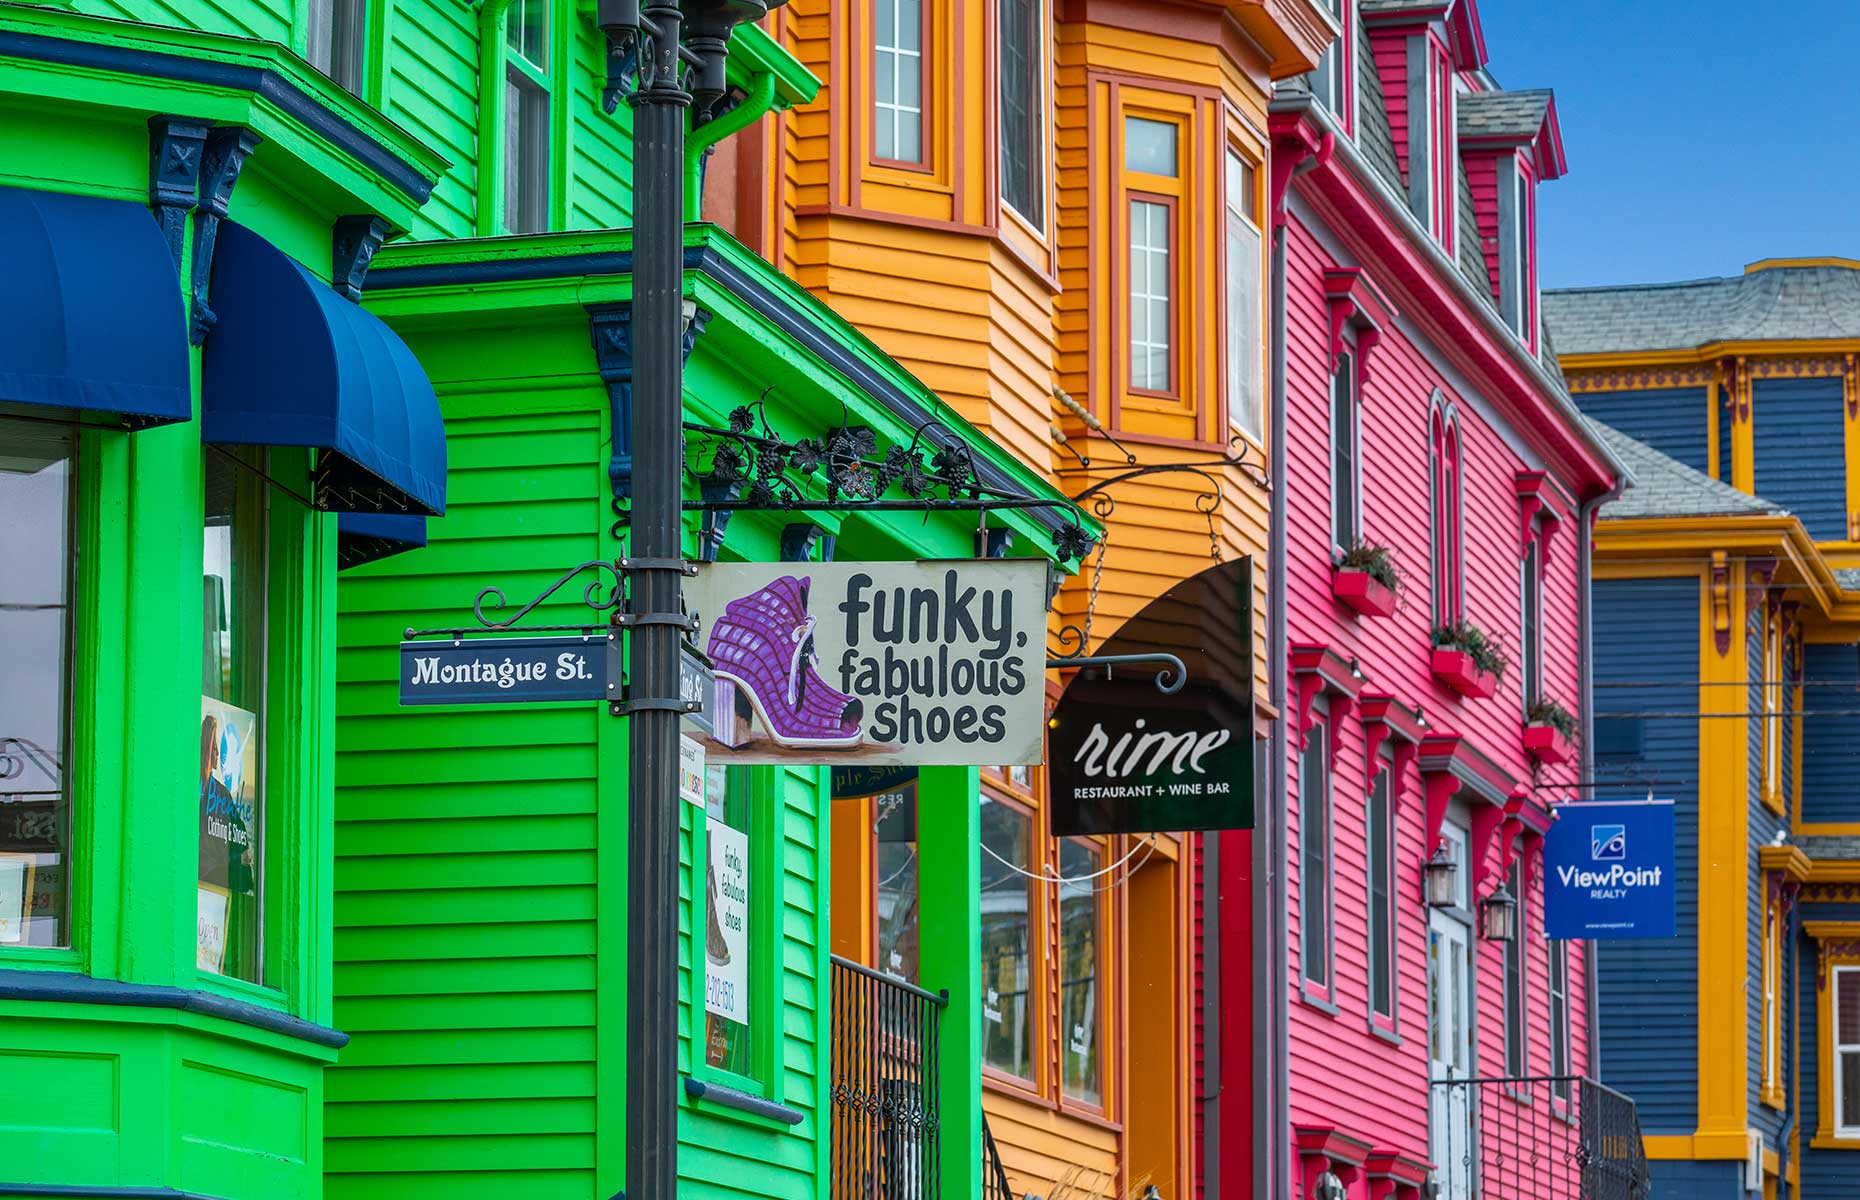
x: 1449, y: 1020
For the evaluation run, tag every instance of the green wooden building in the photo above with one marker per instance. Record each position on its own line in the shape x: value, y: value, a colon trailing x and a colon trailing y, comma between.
x: 401, y: 970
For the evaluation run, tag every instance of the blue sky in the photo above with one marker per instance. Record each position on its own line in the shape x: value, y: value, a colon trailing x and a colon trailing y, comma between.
x: 1701, y: 136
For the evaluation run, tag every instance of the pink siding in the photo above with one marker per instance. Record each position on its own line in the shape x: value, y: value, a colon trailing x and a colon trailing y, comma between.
x: 1343, y: 1076
x: 1482, y: 170
x: 1391, y: 56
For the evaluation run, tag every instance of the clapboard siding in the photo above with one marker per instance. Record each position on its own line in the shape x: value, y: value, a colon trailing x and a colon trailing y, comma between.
x: 1764, y: 826
x: 1801, y: 461
x: 1674, y: 421
x: 430, y: 87
x: 1648, y: 990
x: 269, y: 20
x: 1830, y: 741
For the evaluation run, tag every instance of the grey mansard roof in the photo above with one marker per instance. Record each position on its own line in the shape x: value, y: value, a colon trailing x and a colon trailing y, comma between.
x: 1666, y: 487
x: 1767, y: 303
x: 1502, y: 114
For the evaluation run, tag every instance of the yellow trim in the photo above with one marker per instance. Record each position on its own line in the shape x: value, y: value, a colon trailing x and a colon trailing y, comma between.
x: 1733, y: 1144
x: 1712, y: 449
x: 1769, y: 960
x: 1771, y: 1164
x: 1743, y: 433
x: 1850, y: 429
x: 1667, y: 1145
x: 1708, y: 352
x: 1825, y: 962
x: 1769, y: 264
x: 1827, y: 1141
x: 1723, y: 847
x: 1788, y: 859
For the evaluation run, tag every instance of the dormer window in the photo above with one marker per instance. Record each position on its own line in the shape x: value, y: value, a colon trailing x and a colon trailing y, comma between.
x: 1431, y: 150
x: 1333, y: 83
x: 1517, y: 274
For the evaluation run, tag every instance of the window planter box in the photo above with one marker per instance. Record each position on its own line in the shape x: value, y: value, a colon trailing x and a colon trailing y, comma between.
x: 1362, y: 592
x: 1455, y: 669
x: 1547, y: 744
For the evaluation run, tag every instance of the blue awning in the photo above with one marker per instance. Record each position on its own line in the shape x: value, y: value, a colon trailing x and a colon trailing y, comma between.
x: 364, y: 537
x: 293, y: 363
x: 90, y: 309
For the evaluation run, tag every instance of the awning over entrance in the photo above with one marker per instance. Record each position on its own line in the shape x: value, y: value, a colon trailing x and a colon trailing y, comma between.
x: 364, y: 537
x: 292, y: 363
x: 90, y: 312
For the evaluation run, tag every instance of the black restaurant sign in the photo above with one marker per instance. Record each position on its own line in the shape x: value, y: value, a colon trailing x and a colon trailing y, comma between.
x: 508, y: 670
x: 1123, y: 757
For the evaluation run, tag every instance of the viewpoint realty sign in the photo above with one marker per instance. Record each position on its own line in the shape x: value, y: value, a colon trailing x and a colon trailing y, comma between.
x: 1608, y: 871
x: 1125, y: 757
x: 918, y: 663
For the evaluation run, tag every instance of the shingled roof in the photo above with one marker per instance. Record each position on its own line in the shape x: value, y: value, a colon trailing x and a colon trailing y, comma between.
x: 1502, y: 114
x: 1666, y: 487
x: 1767, y: 303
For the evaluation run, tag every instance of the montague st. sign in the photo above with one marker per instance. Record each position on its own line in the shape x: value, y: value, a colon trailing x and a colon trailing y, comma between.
x: 1608, y: 871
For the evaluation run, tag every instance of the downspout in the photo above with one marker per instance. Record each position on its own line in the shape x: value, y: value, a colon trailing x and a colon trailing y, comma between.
x: 491, y: 113
x: 1272, y: 1174
x: 1585, y: 685
x: 752, y: 108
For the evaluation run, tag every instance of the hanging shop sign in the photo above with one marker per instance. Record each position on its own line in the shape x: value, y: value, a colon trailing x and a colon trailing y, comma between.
x: 1608, y: 871
x: 1124, y: 757
x: 507, y: 670
x: 228, y: 883
x: 914, y: 663
x: 726, y: 937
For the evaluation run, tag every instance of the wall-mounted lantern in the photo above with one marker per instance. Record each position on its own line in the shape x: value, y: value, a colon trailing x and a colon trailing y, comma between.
x: 1498, y: 916
x: 1438, y: 877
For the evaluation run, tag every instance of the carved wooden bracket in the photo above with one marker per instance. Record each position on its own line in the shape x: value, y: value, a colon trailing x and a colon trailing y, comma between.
x: 1721, y: 601
x: 1293, y: 141
x: 1316, y: 670
x: 1537, y: 503
x: 1438, y: 787
x: 1759, y: 573
x: 1386, y: 718
x: 1356, y: 302
x: 1847, y: 388
x: 1737, y: 390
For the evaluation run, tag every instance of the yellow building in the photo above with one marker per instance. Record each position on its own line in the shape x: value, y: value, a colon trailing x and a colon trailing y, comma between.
x: 1051, y: 212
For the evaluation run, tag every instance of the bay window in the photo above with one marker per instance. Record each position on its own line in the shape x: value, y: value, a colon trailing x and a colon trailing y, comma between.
x: 1245, y: 386
x: 1082, y: 962
x: 1152, y: 161
x: 37, y: 545
x: 1023, y: 108
x: 898, y: 81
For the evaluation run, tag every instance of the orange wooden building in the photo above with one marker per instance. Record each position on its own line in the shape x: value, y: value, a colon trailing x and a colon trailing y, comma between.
x: 1050, y: 211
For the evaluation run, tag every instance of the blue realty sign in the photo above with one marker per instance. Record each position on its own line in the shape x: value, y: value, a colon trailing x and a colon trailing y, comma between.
x: 1608, y: 871
x: 507, y: 670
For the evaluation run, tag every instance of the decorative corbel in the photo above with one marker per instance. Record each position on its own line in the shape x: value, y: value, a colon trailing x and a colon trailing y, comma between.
x: 1438, y: 788
x: 176, y: 145
x: 1353, y: 299
x: 1294, y: 142
x: 1847, y: 387
x: 1759, y: 573
x: 1309, y: 685
x: 798, y: 541
x: 1737, y: 379
x: 1486, y: 822
x: 353, y: 244
x: 1721, y: 601
x: 227, y: 148
x: 610, y: 326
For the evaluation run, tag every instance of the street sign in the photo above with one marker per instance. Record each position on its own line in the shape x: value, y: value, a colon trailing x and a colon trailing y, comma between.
x: 509, y: 670
x: 1608, y: 871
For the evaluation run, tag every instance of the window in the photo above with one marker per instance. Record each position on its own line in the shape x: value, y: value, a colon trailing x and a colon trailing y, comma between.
x: 526, y: 117
x: 1770, y: 735
x: 1515, y: 1018
x: 229, y: 935
x: 1081, y: 967
x: 1771, y: 952
x: 1846, y: 993
x: 729, y: 930
x: 1381, y: 922
x: 1151, y: 148
x: 898, y: 81
x: 1517, y: 300
x: 895, y: 827
x: 37, y: 589
x: 1314, y: 881
x: 1330, y: 83
x: 1023, y: 108
x: 1560, y: 1070
x: 1530, y: 627
x: 1433, y: 172
x: 1245, y: 386
x: 1009, y: 1033
x: 1444, y: 509
x: 1345, y: 459
x: 337, y: 40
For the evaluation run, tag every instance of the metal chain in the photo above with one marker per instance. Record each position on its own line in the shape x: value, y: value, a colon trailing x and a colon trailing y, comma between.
x: 1097, y: 578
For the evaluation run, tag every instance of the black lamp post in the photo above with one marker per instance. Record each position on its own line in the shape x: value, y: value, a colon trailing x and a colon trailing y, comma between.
x: 669, y: 44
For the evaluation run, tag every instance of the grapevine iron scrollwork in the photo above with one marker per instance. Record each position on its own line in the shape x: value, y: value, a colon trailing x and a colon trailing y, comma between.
x: 599, y: 595
x: 748, y: 464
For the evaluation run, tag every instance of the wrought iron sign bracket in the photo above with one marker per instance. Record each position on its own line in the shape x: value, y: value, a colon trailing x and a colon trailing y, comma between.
x: 1171, y: 673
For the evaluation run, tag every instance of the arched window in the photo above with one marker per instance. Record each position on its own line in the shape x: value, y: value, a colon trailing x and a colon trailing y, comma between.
x: 1444, y: 551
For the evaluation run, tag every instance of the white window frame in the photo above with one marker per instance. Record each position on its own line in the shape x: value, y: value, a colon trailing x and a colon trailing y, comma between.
x: 894, y: 114
x: 1245, y: 244
x: 1158, y: 308
x: 1846, y: 1125
x: 1771, y: 968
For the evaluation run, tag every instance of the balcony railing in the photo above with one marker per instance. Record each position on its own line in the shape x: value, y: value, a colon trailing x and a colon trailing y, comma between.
x: 1536, y: 1138
x: 886, y: 1125
x: 995, y: 1184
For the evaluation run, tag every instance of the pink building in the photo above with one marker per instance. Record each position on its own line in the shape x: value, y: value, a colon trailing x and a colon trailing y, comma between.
x: 1431, y: 442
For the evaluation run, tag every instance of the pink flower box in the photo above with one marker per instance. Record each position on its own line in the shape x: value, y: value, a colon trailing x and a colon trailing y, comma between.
x: 1547, y: 744
x: 1363, y: 592
x: 1455, y: 668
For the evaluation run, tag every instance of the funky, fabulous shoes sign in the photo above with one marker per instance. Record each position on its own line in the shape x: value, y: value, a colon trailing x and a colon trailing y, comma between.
x: 892, y: 662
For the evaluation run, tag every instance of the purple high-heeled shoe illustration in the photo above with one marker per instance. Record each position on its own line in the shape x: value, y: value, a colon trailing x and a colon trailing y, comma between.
x: 763, y: 645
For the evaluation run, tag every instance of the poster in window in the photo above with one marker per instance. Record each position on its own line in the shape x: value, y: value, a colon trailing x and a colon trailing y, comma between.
x: 16, y: 871
x: 215, y: 906
x: 228, y: 830
x: 726, y: 937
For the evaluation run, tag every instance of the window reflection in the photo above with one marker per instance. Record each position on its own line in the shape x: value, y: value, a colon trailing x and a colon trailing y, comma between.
x: 895, y: 822
x: 1007, y: 900
x: 1080, y: 1010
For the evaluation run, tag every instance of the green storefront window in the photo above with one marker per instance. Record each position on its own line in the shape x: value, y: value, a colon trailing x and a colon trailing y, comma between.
x: 729, y: 942
x: 1008, y: 1033
x: 895, y: 823
x: 1080, y: 1011
x: 37, y: 475
x: 234, y: 594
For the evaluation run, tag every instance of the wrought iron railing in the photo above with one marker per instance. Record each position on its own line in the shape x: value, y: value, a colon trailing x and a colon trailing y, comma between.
x: 1536, y: 1138
x: 886, y: 1124
x: 995, y: 1184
